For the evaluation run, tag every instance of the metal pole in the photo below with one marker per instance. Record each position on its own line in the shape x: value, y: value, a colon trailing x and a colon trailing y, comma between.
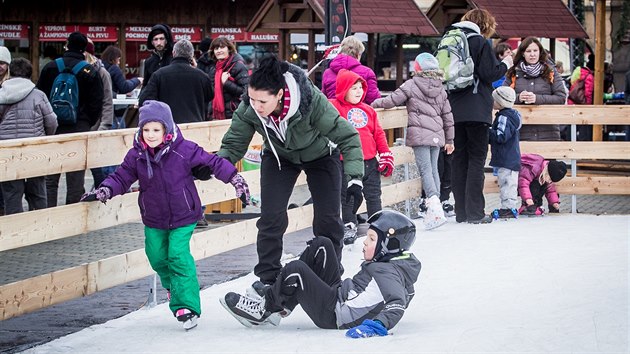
x: 573, y: 169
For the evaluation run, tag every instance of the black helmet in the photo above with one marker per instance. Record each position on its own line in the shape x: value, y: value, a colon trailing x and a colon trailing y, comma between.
x: 396, y: 233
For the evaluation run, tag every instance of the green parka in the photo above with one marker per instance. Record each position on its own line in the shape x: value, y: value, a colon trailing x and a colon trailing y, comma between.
x: 312, y: 132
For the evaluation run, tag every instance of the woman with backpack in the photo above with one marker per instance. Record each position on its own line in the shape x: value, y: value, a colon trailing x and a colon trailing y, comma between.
x: 228, y: 74
x: 536, y: 81
x: 472, y: 112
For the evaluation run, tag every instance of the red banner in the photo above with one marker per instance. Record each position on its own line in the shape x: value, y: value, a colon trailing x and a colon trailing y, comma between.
x: 55, y: 33
x: 257, y: 37
x: 234, y: 34
x: 13, y: 31
x: 140, y: 33
x: 100, y: 33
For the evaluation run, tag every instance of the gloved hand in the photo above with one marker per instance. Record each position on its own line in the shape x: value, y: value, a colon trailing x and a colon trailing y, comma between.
x: 354, y: 190
x: 368, y: 328
x: 386, y: 163
x: 241, y: 187
x: 101, y: 194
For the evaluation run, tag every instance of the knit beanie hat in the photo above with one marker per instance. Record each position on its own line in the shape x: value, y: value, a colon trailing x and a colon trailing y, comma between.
x: 90, y: 48
x: 156, y: 111
x: 504, y: 96
x: 426, y: 62
x: 205, y: 44
x: 557, y: 170
x: 5, y: 55
x: 77, y: 42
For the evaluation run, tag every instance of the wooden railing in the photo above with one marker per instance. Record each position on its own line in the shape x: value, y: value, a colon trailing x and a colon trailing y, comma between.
x: 23, y: 158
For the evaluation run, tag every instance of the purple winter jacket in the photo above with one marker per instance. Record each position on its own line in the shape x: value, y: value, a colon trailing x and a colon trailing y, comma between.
x: 169, y: 199
x: 343, y: 61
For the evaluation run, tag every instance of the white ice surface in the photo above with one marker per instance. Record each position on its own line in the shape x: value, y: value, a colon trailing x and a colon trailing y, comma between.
x: 554, y: 284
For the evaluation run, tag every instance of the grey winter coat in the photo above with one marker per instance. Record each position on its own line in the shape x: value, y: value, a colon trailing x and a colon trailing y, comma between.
x: 379, y: 291
x: 546, y: 93
x: 25, y: 111
x: 107, y: 115
x: 430, y: 121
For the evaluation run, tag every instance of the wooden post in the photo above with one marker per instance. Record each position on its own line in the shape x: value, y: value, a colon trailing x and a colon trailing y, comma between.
x: 35, y: 51
x: 399, y: 60
x: 311, y: 52
x: 600, y: 50
x: 370, y: 51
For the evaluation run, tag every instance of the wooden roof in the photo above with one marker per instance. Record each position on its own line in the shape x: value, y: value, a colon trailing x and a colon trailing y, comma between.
x: 515, y: 18
x: 369, y: 16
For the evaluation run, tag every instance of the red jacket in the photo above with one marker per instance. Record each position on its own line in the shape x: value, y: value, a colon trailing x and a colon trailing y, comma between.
x: 362, y: 117
x: 589, y: 85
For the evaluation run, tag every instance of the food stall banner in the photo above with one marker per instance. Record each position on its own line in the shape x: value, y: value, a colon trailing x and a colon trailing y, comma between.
x: 140, y: 33
x: 13, y: 31
x: 100, y: 33
x: 57, y: 33
x: 258, y: 37
x: 234, y: 34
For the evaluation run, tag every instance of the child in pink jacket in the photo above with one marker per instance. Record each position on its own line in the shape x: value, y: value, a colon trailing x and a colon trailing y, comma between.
x: 536, y: 178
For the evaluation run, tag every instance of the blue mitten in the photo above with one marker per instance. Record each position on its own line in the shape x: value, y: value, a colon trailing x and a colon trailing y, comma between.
x: 368, y: 328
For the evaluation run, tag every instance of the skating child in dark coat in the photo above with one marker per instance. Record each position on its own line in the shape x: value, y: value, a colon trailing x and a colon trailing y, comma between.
x: 368, y: 304
x: 162, y: 161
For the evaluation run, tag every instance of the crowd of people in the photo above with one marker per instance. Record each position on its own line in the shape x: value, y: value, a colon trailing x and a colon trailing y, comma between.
x: 333, y: 135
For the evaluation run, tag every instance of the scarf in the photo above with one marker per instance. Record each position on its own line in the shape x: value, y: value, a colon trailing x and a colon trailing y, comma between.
x: 531, y: 70
x: 218, y: 103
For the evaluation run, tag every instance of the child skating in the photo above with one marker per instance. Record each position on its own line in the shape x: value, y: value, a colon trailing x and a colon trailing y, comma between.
x: 368, y: 304
x: 162, y: 161
x: 506, y: 153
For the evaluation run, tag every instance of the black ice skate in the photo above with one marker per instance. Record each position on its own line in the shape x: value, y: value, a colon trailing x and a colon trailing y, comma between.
x: 249, y: 311
x: 257, y: 290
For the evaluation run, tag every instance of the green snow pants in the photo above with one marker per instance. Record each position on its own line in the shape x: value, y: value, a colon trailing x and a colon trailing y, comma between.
x: 168, y: 252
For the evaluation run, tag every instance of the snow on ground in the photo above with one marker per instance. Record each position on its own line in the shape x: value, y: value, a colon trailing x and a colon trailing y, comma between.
x: 552, y: 284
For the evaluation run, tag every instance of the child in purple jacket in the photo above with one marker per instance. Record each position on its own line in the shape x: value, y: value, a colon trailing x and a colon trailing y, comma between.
x: 162, y: 161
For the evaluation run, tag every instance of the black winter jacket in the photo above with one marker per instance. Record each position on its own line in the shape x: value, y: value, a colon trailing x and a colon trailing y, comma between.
x: 157, y: 60
x: 467, y: 106
x: 233, y: 88
x: 90, y: 91
x: 187, y: 90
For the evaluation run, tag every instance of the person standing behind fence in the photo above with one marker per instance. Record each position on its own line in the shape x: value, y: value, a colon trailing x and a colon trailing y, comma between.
x: 161, y: 160
x: 89, y: 111
x: 350, y: 52
x: 472, y: 112
x: 536, y: 82
x: 429, y: 128
x: 187, y: 90
x: 228, y: 75
x: 160, y: 43
x: 301, y: 131
x: 24, y: 112
x: 111, y: 60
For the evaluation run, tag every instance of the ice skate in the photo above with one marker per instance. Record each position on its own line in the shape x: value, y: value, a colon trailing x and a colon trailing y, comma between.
x: 247, y: 310
x: 434, y: 217
x: 504, y: 214
x: 422, y: 208
x: 257, y: 290
x: 449, y: 209
x: 531, y: 211
x: 349, y: 233
x: 187, y: 318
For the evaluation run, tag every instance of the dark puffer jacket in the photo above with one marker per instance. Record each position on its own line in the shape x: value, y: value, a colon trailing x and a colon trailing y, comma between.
x: 158, y: 60
x: 234, y: 87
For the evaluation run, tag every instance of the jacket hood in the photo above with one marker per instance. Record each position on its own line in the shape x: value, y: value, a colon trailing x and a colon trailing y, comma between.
x: 304, y: 85
x: 343, y: 61
x: 15, y: 90
x: 345, y: 80
x: 160, y: 28
x: 468, y: 25
x: 430, y: 87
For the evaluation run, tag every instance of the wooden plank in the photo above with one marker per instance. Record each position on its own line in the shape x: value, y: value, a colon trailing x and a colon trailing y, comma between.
x: 575, y: 114
x: 49, y: 289
x: 590, y: 185
x: 578, y: 150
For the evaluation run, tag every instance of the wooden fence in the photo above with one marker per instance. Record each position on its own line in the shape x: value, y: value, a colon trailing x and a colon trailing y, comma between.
x: 23, y: 158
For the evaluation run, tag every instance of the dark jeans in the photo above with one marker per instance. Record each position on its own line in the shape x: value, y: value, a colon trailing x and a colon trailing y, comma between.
x: 469, y: 158
x: 74, y: 184
x: 371, y: 192
x: 33, y: 189
x: 445, y: 163
x: 323, y: 177
x: 312, y: 282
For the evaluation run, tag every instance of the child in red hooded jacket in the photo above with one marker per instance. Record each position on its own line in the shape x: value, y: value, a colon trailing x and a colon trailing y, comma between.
x: 350, y: 93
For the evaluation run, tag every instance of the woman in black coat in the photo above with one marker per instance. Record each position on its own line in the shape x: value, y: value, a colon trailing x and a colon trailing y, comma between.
x: 228, y: 74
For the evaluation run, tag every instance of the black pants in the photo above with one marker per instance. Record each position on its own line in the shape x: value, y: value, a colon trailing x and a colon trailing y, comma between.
x: 312, y: 282
x: 469, y: 158
x: 323, y: 177
x: 538, y: 192
x: 445, y: 163
x: 74, y: 183
x: 33, y: 189
x: 371, y: 192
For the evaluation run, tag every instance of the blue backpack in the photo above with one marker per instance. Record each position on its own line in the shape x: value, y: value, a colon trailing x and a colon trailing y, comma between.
x: 64, y: 96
